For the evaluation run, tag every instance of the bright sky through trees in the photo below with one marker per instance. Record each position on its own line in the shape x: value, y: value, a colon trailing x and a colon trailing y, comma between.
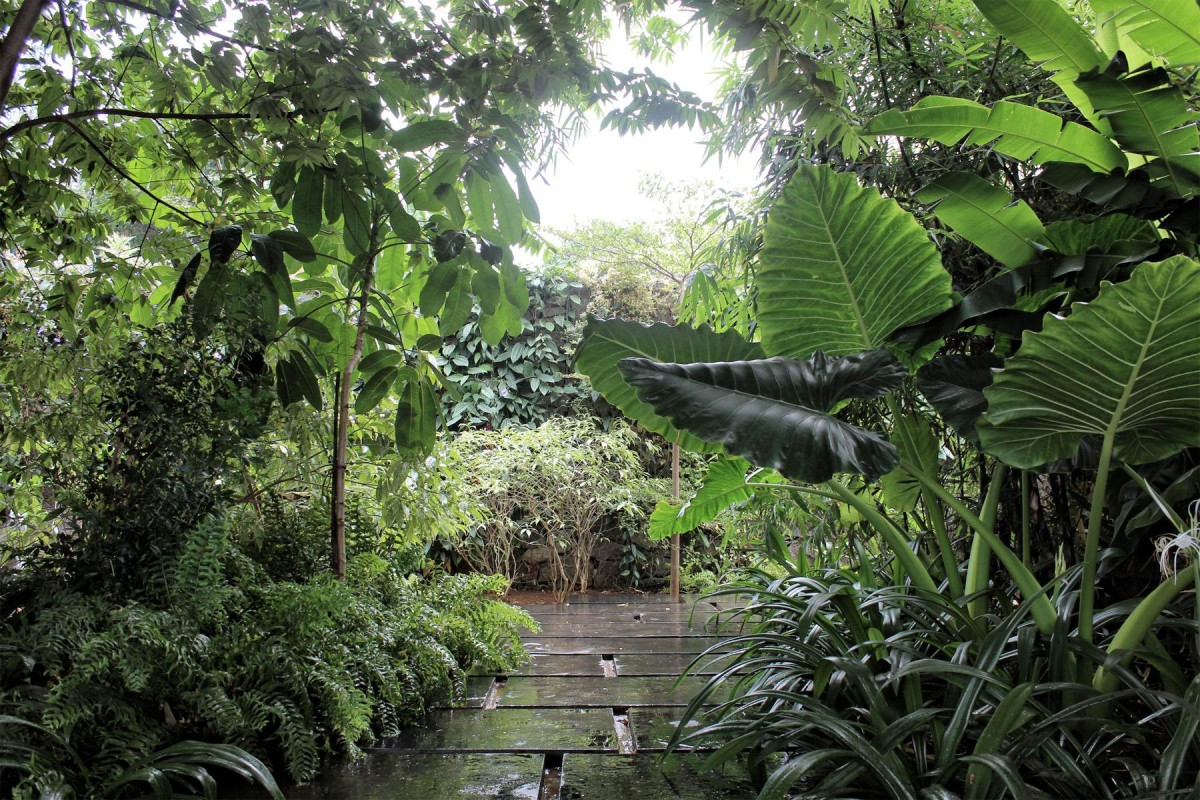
x: 598, y: 176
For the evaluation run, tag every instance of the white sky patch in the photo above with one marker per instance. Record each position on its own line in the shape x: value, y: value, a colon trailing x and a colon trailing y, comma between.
x: 597, y: 177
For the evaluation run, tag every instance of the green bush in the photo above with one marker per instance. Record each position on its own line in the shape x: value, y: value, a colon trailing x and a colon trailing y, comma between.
x: 563, y: 485
x: 843, y: 684
x: 288, y: 671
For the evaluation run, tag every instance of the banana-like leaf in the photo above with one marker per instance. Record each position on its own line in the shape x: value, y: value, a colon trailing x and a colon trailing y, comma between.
x: 985, y: 215
x: 1166, y: 28
x: 723, y: 487
x: 1125, y: 367
x: 1023, y: 132
x: 776, y: 412
x: 1048, y: 34
x: 607, y: 341
x: 842, y: 268
x: 1149, y: 114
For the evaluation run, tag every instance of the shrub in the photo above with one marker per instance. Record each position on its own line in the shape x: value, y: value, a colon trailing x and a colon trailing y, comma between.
x: 842, y: 685
x: 558, y: 485
x: 288, y: 671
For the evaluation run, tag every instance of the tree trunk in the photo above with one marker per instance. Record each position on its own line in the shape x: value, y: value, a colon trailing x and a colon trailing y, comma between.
x: 341, y: 431
x: 14, y: 44
x: 676, y: 545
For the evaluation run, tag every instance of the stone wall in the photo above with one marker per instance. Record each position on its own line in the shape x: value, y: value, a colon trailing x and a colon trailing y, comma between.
x: 536, y: 567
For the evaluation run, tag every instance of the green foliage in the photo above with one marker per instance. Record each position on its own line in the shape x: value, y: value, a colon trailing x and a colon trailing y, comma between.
x: 843, y: 685
x: 289, y: 671
x: 523, y: 379
x: 559, y: 486
x: 161, y: 421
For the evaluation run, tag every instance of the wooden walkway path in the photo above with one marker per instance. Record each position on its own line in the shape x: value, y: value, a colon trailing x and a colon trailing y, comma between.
x: 587, y: 718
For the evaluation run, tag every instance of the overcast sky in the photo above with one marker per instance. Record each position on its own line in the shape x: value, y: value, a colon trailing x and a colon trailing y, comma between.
x: 598, y: 177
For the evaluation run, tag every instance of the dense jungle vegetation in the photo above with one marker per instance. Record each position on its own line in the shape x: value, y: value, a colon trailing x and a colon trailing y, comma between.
x: 283, y: 417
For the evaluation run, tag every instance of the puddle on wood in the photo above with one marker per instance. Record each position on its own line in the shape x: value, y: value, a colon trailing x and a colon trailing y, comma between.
x: 509, y: 729
x: 586, y: 777
x: 598, y: 692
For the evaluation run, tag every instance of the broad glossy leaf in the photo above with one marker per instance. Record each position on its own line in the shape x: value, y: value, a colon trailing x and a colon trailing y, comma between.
x: 375, y: 389
x: 308, y: 200
x: 842, y: 268
x: 380, y: 359
x: 357, y: 212
x: 295, y: 381
x: 954, y: 386
x: 295, y: 244
x: 223, y: 242
x: 1166, y: 28
x: 267, y: 253
x: 776, y: 412
x: 606, y: 341
x: 1125, y: 365
x: 985, y: 215
x: 416, y: 413
x: 1023, y: 132
x: 314, y: 328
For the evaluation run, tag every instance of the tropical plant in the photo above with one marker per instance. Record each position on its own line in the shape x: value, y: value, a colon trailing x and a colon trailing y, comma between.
x: 525, y: 378
x: 1082, y: 352
x: 560, y: 487
x: 877, y: 690
x: 285, y: 670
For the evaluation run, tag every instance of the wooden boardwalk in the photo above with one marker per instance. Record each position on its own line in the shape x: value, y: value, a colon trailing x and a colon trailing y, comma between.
x: 588, y: 717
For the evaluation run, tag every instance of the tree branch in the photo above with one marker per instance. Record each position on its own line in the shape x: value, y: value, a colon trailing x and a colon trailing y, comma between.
x: 140, y: 186
x: 66, y: 118
x: 133, y: 6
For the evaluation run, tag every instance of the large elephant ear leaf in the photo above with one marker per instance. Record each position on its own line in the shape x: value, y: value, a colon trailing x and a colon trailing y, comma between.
x: 842, y: 268
x: 776, y: 412
x: 1125, y: 367
x: 607, y: 341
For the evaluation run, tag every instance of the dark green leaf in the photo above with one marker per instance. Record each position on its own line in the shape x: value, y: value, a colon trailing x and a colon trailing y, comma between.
x: 380, y: 359
x: 185, y: 278
x: 606, y: 342
x: 375, y: 389
x: 416, y: 413
x: 223, y: 243
x: 307, y: 202
x: 209, y: 297
x: 295, y: 244
x: 954, y: 386
x: 312, y: 327
x: 776, y: 412
x: 420, y: 135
